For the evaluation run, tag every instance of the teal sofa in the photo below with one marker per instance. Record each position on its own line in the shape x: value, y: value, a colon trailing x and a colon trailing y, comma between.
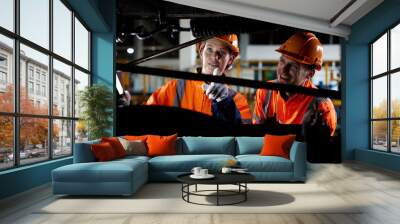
x: 125, y: 176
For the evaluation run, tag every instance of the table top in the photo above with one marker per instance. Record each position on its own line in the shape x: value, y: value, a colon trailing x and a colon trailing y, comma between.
x: 220, y: 178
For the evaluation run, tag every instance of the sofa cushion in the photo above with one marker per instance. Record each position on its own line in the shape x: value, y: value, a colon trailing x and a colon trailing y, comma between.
x: 207, y: 145
x: 103, y: 151
x: 112, y: 171
x: 161, y: 145
x: 134, y: 147
x: 185, y: 163
x: 257, y: 163
x: 116, y: 145
x: 249, y: 145
x: 277, y: 145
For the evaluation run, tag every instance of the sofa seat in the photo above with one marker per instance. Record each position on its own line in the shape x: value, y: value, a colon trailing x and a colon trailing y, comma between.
x: 259, y: 163
x: 167, y: 168
x: 267, y: 168
x: 119, y: 177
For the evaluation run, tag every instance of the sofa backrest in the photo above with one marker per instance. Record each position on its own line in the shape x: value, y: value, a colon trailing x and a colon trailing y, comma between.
x: 83, y: 152
x: 249, y: 145
x: 206, y: 145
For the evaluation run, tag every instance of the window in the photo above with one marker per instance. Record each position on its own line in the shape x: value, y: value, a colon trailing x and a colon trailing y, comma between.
x: 30, y: 72
x: 385, y: 97
x: 62, y: 75
x: 37, y: 74
x: 55, y: 128
x: 43, y: 77
x: 38, y: 89
x: 3, y: 78
x: 3, y: 72
x: 62, y: 29
x: 3, y: 61
x: 34, y: 21
x: 7, y: 14
x: 44, y: 91
x: 30, y: 87
x: 81, y: 45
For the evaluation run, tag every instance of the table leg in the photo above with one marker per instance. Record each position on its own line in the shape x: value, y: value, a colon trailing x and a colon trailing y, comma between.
x: 196, y: 188
x: 217, y: 194
x: 245, y: 191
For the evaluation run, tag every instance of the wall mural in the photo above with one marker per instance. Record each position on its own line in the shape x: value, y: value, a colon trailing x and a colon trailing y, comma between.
x: 205, y: 102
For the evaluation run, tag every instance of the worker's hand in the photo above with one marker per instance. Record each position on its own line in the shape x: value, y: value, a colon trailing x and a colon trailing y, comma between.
x: 217, y: 91
x: 314, y: 125
x: 125, y: 99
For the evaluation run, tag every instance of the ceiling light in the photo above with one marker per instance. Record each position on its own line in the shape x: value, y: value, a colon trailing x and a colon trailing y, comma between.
x: 130, y: 50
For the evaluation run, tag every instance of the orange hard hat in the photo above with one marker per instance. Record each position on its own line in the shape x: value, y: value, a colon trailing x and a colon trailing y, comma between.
x: 231, y: 40
x: 303, y: 47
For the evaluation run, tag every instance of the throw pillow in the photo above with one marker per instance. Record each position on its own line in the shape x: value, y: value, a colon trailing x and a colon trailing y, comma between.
x: 116, y: 145
x: 103, y: 151
x: 136, y: 137
x: 277, y: 145
x: 135, y: 147
x: 161, y: 145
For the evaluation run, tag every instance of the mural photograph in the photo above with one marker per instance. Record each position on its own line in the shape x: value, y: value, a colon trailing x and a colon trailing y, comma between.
x: 165, y: 104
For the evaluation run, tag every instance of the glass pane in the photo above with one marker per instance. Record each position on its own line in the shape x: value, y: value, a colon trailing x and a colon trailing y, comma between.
x: 34, y: 92
x: 6, y: 74
x: 379, y: 98
x: 62, y: 29
x: 81, y: 45
x: 35, y: 21
x: 395, y: 95
x: 62, y: 89
x: 62, y: 141
x: 81, y: 81
x: 379, y: 135
x: 395, y: 136
x: 379, y: 55
x: 395, y: 47
x: 7, y: 14
x: 6, y: 142
x: 81, y: 131
x: 33, y: 139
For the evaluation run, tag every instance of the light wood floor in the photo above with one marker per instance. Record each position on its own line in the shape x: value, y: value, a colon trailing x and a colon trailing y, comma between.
x: 354, y: 182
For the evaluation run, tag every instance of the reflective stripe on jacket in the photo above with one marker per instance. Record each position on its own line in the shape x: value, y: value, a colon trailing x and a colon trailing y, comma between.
x: 270, y: 104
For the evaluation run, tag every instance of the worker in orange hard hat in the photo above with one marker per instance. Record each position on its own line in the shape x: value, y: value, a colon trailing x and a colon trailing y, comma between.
x: 301, y: 55
x: 215, y: 99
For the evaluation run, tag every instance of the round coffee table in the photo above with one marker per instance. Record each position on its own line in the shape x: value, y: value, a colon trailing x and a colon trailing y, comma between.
x: 238, y: 179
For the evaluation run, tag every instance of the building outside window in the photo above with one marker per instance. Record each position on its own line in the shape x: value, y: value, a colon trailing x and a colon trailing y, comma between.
x: 385, y: 97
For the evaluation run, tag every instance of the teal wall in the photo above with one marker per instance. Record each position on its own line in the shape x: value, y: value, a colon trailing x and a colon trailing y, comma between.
x: 100, y: 17
x: 356, y: 85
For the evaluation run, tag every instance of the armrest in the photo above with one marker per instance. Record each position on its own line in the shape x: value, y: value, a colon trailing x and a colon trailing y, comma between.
x: 83, y: 152
x: 298, y: 155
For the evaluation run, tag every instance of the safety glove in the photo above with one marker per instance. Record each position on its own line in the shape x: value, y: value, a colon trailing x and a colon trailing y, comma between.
x: 216, y: 91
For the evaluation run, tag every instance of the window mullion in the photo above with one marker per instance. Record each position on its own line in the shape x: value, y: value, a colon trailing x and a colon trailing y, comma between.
x: 50, y: 80
x: 16, y: 84
x: 389, y: 106
x: 73, y: 82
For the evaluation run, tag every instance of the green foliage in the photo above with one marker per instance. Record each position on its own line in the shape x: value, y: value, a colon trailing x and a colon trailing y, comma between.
x: 96, y: 103
x: 380, y: 127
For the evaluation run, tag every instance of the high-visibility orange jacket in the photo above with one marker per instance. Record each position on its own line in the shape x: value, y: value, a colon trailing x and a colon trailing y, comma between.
x: 189, y: 94
x: 271, y: 105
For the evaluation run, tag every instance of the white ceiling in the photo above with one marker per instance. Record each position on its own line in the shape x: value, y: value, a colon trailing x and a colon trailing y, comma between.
x: 323, y: 16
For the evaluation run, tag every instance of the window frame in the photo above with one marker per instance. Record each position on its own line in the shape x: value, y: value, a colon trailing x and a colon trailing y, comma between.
x: 388, y: 74
x: 16, y: 114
